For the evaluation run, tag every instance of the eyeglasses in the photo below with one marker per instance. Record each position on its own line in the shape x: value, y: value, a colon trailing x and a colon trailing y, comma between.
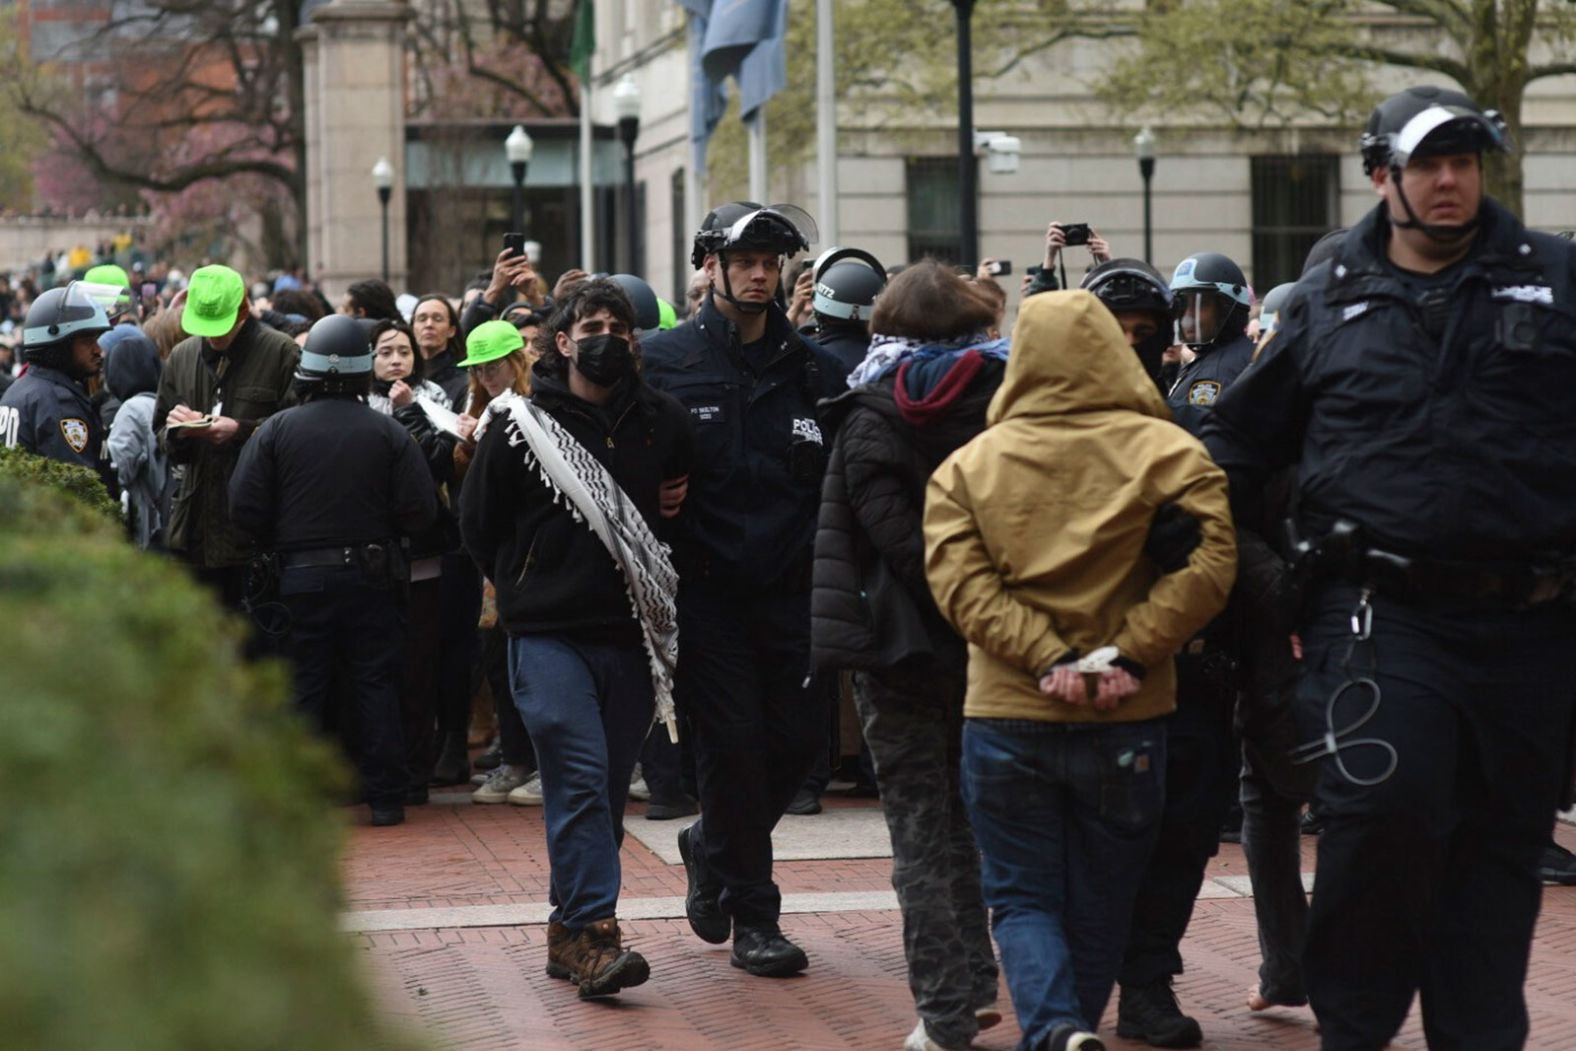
x: 495, y: 368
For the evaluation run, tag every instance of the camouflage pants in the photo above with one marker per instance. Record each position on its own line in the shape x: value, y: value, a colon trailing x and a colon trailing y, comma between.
x: 914, y: 728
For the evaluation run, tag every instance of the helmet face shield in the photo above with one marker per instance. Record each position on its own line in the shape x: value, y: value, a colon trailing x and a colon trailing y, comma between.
x: 1199, y: 315
x: 780, y: 228
x: 1440, y: 131
x: 61, y: 315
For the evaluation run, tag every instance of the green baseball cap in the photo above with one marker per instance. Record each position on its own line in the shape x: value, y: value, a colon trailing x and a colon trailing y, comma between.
x: 669, y: 317
x: 490, y: 341
x: 107, y: 274
x: 213, y: 299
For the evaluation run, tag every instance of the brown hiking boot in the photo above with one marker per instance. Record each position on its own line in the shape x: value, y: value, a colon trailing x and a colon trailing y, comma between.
x: 558, y: 942
x: 600, y: 964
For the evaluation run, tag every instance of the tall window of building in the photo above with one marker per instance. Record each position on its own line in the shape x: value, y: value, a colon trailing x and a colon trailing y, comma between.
x: 935, y: 216
x: 1295, y: 202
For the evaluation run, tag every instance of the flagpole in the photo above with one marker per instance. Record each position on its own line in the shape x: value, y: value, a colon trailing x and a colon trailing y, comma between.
x: 587, y: 191
x: 696, y: 189
x: 826, y: 123
x: 757, y: 127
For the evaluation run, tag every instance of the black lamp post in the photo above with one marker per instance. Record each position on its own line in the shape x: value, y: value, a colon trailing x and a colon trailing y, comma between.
x: 968, y: 220
x: 383, y: 179
x: 1144, y: 147
x: 626, y: 103
x: 517, y: 147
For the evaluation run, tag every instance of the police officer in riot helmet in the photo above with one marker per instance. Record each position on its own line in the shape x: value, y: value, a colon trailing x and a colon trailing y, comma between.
x: 846, y: 283
x: 1210, y: 301
x: 1270, y: 308
x: 1208, y: 298
x: 48, y: 411
x: 1137, y: 295
x: 330, y: 487
x: 1416, y: 381
x: 744, y: 552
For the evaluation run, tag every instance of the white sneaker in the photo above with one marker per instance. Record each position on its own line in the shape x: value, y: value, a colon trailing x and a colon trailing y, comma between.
x: 503, y: 780
x: 528, y: 794
x: 637, y: 786
x: 919, y: 1040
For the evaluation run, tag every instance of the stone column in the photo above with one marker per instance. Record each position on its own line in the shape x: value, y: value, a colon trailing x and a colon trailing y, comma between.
x: 354, y: 62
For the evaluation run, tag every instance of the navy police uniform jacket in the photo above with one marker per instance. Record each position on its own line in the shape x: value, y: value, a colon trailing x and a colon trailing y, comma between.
x: 755, y: 487
x: 1203, y: 380
x: 331, y: 473
x: 1460, y: 446
x: 48, y: 413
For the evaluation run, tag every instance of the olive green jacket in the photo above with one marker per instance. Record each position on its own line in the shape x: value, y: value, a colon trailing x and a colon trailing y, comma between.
x: 249, y: 382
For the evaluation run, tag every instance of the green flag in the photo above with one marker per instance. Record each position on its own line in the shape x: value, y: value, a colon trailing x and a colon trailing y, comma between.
x: 584, y: 40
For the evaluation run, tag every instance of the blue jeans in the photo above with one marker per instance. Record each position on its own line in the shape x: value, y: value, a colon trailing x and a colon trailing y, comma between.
x: 1065, y: 815
x: 587, y: 707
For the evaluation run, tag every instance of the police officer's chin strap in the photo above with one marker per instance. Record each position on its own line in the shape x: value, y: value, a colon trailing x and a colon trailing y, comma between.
x: 727, y: 291
x: 1442, y: 232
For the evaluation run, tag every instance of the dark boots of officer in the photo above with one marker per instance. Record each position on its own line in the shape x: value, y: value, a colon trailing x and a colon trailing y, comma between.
x: 331, y: 486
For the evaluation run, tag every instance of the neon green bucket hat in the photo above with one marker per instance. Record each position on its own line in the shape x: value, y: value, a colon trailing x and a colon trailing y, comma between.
x: 490, y: 341
x: 213, y: 301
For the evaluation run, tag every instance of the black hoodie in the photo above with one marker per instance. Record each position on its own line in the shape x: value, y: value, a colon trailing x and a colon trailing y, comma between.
x: 553, y: 575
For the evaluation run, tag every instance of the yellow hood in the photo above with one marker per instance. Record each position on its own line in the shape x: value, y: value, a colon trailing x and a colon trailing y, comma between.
x: 1069, y: 355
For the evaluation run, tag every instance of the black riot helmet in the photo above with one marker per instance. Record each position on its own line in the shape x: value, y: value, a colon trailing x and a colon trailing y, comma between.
x: 57, y: 318
x: 1133, y: 286
x: 1270, y: 308
x: 782, y: 229
x: 1428, y: 122
x: 1210, y: 275
x: 337, y: 358
x: 648, y: 314
x: 847, y: 281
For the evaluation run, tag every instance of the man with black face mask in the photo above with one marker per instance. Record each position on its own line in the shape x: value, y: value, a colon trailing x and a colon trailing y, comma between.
x: 1136, y: 294
x: 559, y: 510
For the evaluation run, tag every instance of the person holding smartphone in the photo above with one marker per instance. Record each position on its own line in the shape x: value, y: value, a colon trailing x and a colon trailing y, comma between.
x: 1058, y: 236
x: 513, y: 275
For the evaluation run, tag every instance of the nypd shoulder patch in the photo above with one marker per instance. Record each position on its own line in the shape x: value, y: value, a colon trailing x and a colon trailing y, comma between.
x: 1203, y: 392
x: 75, y: 432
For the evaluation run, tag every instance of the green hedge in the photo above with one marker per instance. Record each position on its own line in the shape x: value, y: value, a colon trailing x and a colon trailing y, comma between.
x: 168, y: 853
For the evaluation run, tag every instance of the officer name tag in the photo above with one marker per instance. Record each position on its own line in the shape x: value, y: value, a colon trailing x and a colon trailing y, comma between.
x: 1525, y: 294
x: 707, y: 413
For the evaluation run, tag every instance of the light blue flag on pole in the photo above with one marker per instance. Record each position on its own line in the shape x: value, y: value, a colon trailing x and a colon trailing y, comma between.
x: 743, y: 39
x: 764, y: 71
x: 708, y: 95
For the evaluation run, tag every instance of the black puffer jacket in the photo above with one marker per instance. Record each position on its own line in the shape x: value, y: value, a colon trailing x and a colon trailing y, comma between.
x: 871, y: 607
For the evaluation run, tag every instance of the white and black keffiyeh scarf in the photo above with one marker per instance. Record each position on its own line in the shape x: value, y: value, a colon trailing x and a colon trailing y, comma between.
x: 580, y: 482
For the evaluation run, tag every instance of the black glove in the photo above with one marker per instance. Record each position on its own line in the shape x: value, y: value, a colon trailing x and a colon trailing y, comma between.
x: 1172, y: 537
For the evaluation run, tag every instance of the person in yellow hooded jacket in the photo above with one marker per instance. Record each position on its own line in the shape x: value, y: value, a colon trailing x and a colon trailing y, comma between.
x: 1034, y: 540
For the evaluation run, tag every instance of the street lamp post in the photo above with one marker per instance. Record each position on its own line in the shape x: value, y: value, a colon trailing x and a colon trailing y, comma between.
x: 383, y: 179
x: 517, y: 147
x: 626, y: 103
x: 968, y: 220
x: 1144, y: 147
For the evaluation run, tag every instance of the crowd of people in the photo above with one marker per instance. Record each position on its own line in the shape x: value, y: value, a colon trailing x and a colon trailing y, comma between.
x: 1081, y: 583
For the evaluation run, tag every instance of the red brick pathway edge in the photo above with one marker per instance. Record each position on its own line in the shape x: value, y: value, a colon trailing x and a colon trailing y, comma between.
x: 483, y: 987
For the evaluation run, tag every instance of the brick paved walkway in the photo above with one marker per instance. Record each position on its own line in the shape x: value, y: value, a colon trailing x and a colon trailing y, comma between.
x: 482, y: 987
